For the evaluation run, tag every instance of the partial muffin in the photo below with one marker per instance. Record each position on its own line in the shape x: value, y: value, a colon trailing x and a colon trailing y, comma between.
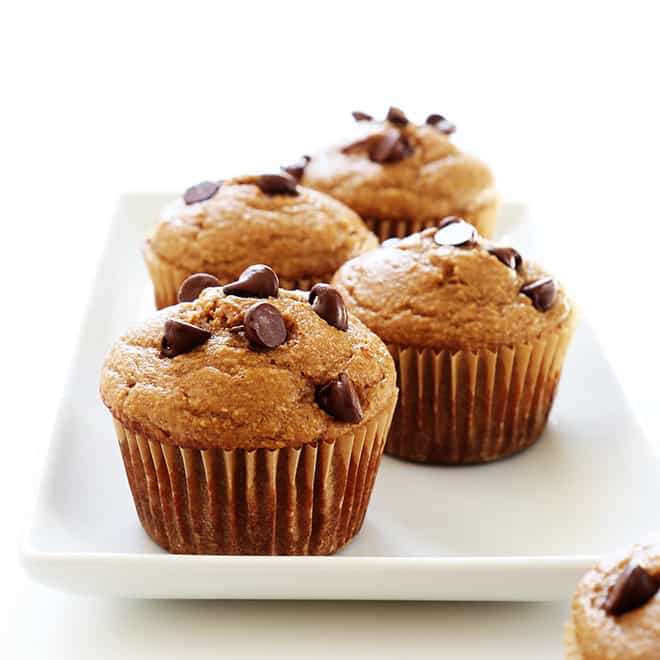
x: 401, y: 177
x: 251, y: 422
x: 616, y: 609
x: 220, y: 228
x: 478, y: 335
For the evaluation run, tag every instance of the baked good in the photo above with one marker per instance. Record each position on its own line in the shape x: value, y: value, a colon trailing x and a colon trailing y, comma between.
x: 401, y: 177
x: 251, y: 423
x: 616, y: 609
x: 220, y: 228
x: 478, y: 335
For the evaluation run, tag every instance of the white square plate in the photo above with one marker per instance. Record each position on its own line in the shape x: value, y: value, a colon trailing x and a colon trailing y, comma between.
x: 524, y: 528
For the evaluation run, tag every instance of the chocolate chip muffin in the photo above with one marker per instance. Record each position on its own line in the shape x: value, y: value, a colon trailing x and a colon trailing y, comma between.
x: 401, y: 177
x: 251, y: 420
x: 478, y: 335
x: 220, y: 228
x: 616, y: 609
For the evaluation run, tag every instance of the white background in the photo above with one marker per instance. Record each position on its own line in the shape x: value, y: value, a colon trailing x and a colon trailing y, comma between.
x: 98, y: 98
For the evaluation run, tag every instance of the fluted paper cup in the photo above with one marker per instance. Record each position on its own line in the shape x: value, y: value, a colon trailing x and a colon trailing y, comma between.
x: 483, y: 219
x: 309, y: 500
x: 571, y: 646
x: 167, y: 279
x: 458, y: 407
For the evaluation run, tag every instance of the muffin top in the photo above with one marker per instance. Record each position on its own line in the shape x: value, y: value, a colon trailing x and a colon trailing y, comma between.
x: 223, y: 228
x: 616, y: 608
x: 400, y: 170
x: 446, y: 287
x: 246, y: 370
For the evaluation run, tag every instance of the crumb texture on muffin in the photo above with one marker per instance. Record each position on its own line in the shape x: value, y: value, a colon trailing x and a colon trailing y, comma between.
x: 415, y: 292
x: 433, y: 180
x: 306, y: 234
x: 225, y: 394
x: 599, y: 636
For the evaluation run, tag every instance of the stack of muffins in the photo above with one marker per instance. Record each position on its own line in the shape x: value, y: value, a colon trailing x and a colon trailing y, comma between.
x: 313, y: 319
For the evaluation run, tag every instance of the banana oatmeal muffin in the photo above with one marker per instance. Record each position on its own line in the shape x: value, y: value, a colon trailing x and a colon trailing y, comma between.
x: 616, y: 609
x: 478, y: 335
x: 220, y: 228
x: 251, y: 420
x: 401, y: 177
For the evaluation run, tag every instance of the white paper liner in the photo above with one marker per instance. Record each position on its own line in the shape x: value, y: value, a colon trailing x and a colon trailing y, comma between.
x: 571, y: 645
x: 292, y: 501
x: 167, y: 279
x: 483, y: 219
x: 473, y: 407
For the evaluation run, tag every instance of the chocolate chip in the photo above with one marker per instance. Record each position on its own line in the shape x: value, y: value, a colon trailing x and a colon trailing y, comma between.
x: 634, y: 587
x: 258, y: 281
x: 396, y: 116
x: 541, y: 292
x: 264, y: 326
x: 276, y: 184
x: 201, y: 192
x: 340, y: 399
x: 327, y: 302
x: 297, y: 169
x: 361, y: 116
x: 441, y: 123
x: 181, y: 337
x: 192, y: 286
x: 389, y: 147
x: 455, y: 231
x: 508, y: 256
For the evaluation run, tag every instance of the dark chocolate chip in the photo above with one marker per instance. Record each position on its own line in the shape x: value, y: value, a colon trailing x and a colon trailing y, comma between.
x: 441, y: 123
x: 264, y: 326
x: 181, y: 337
x: 434, y: 119
x: 361, y: 116
x: 455, y: 231
x: 340, y: 399
x: 276, y: 184
x: 258, y: 281
x: 634, y: 587
x: 327, y: 302
x: 389, y: 147
x: 297, y: 169
x: 192, y: 286
x: 449, y: 220
x: 508, y: 256
x: 541, y: 292
x: 396, y: 116
x: 201, y: 192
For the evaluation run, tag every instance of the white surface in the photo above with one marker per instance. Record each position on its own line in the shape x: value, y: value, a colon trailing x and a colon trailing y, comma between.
x: 529, y: 528
x: 561, y: 100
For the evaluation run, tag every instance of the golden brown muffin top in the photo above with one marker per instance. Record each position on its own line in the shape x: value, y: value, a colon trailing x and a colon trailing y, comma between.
x: 413, y: 291
x: 424, y: 176
x: 633, y: 634
x: 300, y: 233
x: 226, y: 392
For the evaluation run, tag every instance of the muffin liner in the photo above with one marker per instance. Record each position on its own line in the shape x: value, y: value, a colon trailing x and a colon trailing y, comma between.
x: 458, y: 407
x: 483, y: 219
x: 309, y: 500
x: 571, y: 646
x: 167, y: 279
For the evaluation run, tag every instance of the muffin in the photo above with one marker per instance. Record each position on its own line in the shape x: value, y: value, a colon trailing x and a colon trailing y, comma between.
x: 251, y: 423
x: 220, y: 228
x: 616, y: 609
x: 478, y: 335
x: 401, y: 177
